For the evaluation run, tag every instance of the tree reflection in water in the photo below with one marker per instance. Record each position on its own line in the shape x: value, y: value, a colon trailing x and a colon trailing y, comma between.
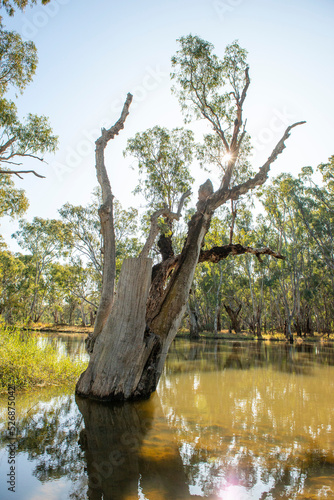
x: 246, y: 421
x: 130, y: 451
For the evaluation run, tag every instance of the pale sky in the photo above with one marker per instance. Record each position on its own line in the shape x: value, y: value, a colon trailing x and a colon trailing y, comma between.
x: 92, y: 53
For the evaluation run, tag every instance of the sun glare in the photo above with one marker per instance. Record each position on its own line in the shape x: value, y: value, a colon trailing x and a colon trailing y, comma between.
x: 232, y: 492
x: 227, y: 157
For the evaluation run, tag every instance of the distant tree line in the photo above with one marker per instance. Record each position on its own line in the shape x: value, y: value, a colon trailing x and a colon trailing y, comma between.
x: 57, y: 277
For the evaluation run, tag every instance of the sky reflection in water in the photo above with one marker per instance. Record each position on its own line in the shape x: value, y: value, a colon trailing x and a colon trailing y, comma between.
x: 229, y: 421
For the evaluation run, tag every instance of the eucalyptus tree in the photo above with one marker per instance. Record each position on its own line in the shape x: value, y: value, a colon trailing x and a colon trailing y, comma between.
x: 83, y: 233
x: 31, y: 137
x: 12, y: 5
x: 126, y: 234
x: 11, y: 278
x: 74, y: 288
x: 278, y: 200
x: 163, y: 158
x: 316, y: 206
x: 13, y: 201
x: 44, y: 240
x: 314, y: 202
x: 130, y: 345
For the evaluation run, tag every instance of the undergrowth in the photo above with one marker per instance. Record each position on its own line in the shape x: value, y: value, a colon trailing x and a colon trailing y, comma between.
x: 26, y: 364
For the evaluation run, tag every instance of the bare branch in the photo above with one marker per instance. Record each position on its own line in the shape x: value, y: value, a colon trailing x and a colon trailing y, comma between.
x: 82, y: 298
x: 107, y: 222
x: 223, y: 194
x: 101, y: 144
x: 106, y: 135
x: 154, y: 231
x: 262, y: 175
x: 182, y: 200
x: 18, y: 172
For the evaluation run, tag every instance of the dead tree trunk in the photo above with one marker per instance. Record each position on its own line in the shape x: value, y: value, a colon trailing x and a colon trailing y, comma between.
x: 107, y: 225
x: 125, y: 350
x: 133, y: 334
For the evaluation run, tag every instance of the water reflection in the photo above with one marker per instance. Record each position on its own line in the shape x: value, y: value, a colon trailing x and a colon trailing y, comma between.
x: 72, y: 345
x: 214, y: 355
x: 47, y: 452
x: 229, y: 421
x: 130, y: 451
x: 255, y: 422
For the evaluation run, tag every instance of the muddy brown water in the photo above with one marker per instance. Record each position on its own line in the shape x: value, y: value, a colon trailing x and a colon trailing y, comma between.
x: 230, y: 420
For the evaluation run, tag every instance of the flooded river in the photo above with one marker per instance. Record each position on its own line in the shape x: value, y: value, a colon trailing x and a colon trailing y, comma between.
x: 230, y: 421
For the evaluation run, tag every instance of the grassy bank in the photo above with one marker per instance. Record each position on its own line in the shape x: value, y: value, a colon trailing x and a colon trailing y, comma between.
x: 61, y: 328
x: 245, y: 335
x: 27, y: 365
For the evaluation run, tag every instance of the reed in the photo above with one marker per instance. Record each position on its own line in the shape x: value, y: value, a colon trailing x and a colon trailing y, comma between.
x: 27, y: 365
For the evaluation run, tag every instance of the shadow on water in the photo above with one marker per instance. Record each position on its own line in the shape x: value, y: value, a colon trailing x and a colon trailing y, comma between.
x: 121, y: 464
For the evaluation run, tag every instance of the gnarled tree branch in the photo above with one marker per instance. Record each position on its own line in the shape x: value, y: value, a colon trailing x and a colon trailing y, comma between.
x: 107, y: 224
x: 217, y: 254
x: 154, y: 229
x: 18, y: 172
x: 223, y: 194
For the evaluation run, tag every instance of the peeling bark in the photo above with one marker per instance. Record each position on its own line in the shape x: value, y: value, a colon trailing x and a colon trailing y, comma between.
x: 120, y: 365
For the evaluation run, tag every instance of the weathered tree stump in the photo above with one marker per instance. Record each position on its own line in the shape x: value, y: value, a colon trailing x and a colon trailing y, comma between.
x: 124, y: 349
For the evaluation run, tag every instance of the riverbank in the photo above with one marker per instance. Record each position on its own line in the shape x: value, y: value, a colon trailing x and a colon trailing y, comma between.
x: 47, y: 327
x: 184, y: 333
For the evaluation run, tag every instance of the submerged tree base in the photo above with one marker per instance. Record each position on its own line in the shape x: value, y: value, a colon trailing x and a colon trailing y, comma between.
x: 125, y: 358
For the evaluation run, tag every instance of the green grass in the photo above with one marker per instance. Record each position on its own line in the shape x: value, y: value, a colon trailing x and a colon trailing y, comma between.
x: 26, y: 365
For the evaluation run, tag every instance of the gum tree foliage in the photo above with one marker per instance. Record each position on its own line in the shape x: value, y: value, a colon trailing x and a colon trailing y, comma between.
x: 12, y: 5
x: 315, y: 205
x: 44, y: 240
x: 163, y: 160
x: 134, y: 331
x: 13, y: 201
x: 31, y: 137
x: 18, y: 62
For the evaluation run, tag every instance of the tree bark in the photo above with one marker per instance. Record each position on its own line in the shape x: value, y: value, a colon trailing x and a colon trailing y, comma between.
x: 107, y: 225
x: 120, y: 365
